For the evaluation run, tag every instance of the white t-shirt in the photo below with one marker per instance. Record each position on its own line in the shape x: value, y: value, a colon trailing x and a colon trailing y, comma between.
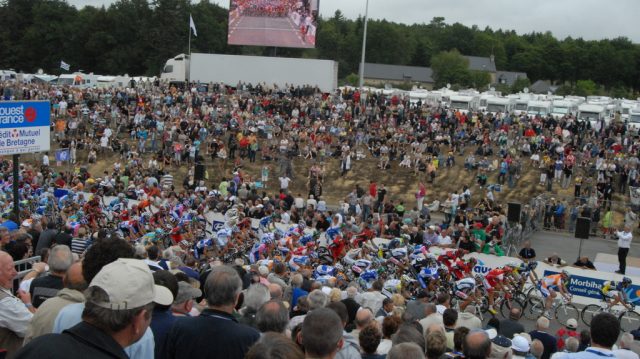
x: 298, y: 202
x: 104, y: 141
x: 284, y: 182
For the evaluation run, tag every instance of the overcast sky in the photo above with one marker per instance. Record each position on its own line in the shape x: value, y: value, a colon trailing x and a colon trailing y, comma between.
x: 590, y: 19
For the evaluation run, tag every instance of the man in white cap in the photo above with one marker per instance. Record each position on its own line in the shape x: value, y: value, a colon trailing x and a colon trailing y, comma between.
x: 519, y: 347
x: 117, y: 313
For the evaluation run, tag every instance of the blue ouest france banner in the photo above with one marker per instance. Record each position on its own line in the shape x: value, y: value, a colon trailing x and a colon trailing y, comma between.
x: 24, y: 127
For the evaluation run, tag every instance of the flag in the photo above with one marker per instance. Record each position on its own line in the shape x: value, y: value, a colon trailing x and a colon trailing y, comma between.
x: 192, y: 26
x: 65, y: 66
x: 62, y: 155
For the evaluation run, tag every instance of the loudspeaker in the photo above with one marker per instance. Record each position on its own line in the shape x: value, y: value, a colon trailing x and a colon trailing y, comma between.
x: 513, y: 213
x: 199, y: 172
x: 583, y: 225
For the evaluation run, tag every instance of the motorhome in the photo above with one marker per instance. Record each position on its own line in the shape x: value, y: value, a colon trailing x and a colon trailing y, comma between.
x: 625, y: 108
x: 592, y: 113
x: 8, y: 75
x: 465, y: 103
x: 113, y: 81
x: 78, y: 79
x: 538, y: 107
x: 561, y: 108
x: 500, y: 104
x: 634, y: 120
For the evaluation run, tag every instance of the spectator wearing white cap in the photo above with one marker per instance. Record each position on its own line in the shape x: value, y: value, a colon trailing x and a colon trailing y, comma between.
x: 520, y: 347
x: 117, y: 313
x: 569, y: 331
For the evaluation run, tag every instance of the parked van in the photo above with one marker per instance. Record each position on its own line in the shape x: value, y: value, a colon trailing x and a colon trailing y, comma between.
x: 592, y: 113
x: 562, y: 108
x: 465, y: 103
x: 500, y: 104
x: 541, y: 108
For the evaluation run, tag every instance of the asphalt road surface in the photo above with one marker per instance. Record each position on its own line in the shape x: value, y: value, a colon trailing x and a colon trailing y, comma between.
x: 566, y: 246
x: 266, y: 31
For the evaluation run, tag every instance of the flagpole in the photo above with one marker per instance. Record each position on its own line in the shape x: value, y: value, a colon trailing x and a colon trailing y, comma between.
x: 187, y: 67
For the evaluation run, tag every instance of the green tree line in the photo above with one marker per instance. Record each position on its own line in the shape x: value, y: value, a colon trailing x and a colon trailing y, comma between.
x: 138, y: 36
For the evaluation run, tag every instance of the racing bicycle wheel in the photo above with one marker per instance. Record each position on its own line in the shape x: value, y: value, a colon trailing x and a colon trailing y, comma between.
x: 629, y: 320
x: 535, y: 308
x: 589, y: 312
x: 508, y: 304
x: 565, y: 312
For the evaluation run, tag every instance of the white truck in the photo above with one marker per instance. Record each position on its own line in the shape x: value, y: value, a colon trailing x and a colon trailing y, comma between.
x: 562, y: 108
x: 634, y: 120
x: 593, y: 114
x: 269, y: 71
x: 538, y: 107
x: 500, y: 104
x: 465, y: 103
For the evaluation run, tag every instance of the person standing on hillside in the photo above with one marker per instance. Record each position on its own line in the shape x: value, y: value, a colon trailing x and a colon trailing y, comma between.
x: 624, y: 243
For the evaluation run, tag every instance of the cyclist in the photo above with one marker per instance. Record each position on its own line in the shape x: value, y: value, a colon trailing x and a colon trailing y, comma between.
x: 465, y: 289
x: 494, y: 281
x: 614, y: 293
x: 551, y: 284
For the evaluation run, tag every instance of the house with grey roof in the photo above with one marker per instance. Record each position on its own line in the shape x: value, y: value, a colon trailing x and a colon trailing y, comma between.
x: 381, y: 74
x: 508, y: 77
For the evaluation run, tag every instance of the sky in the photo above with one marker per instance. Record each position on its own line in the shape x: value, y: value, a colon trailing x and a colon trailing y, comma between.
x: 589, y: 19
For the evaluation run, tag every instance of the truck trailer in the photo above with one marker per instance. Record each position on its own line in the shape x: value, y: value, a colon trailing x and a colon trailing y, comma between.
x: 269, y: 71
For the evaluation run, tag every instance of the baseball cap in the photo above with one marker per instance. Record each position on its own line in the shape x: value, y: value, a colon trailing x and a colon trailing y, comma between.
x: 129, y: 284
x: 572, y: 323
x: 186, y: 292
x: 520, y: 344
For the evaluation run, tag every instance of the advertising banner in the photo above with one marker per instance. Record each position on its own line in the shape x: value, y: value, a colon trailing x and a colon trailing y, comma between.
x: 24, y: 127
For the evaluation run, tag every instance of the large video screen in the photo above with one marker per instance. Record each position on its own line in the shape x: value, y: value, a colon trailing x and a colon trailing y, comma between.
x: 280, y: 23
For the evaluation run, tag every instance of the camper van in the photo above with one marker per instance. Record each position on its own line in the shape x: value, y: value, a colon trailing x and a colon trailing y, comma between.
x: 541, y: 108
x: 8, y: 75
x: 500, y: 104
x: 562, y: 108
x: 465, y: 103
x: 113, y: 81
x: 592, y: 113
x: 634, y: 120
x: 625, y: 108
x: 78, y: 79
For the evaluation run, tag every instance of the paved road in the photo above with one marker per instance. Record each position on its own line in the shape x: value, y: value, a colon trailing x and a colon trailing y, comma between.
x: 566, y: 246
x: 266, y: 31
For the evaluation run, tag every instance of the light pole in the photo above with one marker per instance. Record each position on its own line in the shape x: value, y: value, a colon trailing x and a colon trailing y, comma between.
x: 364, y: 48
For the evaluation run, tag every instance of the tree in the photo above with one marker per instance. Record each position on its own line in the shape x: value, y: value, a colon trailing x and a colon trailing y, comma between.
x: 520, y: 84
x: 450, y: 67
x: 479, y: 79
x: 585, y: 88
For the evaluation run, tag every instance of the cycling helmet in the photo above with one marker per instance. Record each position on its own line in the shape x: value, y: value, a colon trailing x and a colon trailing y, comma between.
x: 626, y: 280
x: 566, y: 273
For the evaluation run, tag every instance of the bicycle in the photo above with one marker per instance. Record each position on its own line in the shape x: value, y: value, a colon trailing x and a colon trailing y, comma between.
x: 562, y: 309
x: 629, y: 319
x: 507, y: 302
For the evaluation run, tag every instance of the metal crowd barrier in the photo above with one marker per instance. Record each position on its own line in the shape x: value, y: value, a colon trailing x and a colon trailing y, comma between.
x: 23, y: 267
